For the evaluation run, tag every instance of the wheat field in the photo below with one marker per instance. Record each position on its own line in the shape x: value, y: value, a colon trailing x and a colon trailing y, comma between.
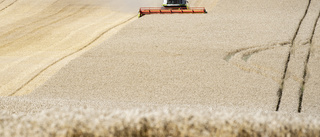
x: 93, y: 68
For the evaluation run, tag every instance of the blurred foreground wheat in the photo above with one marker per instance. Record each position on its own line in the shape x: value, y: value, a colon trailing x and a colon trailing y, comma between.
x: 156, y: 122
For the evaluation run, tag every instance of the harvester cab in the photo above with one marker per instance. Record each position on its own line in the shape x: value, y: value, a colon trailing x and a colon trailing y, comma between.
x: 175, y: 3
x: 171, y: 7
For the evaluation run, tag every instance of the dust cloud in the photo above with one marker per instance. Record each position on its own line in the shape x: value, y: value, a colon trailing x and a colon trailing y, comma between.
x: 130, y: 6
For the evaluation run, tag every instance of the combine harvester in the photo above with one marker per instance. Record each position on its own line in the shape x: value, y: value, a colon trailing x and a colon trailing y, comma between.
x: 170, y: 7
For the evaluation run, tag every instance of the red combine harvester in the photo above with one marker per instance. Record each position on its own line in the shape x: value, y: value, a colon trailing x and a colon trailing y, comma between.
x: 170, y: 7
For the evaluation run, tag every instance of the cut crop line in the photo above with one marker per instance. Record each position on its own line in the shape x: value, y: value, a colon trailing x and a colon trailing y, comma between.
x: 264, y: 69
x: 56, y: 21
x: 256, y: 69
x: 50, y: 23
x: 250, y: 52
x: 8, y: 5
x: 33, y: 23
x: 239, y: 59
x: 72, y: 14
x: 306, y: 65
x: 230, y: 55
x: 2, y: 2
x: 22, y: 59
x: 280, y: 90
x: 48, y: 48
x: 70, y: 54
x: 237, y: 51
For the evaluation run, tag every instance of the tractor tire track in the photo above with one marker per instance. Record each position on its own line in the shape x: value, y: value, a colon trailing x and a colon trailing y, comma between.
x: 8, y: 5
x: 51, y: 23
x: 253, y: 51
x: 291, y: 90
x: 70, y: 54
x: 280, y: 90
x: 230, y: 55
x: 240, y: 57
x: 306, y: 66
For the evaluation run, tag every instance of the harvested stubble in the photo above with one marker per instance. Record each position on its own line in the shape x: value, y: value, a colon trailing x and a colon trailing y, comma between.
x: 152, y: 122
x: 35, y: 35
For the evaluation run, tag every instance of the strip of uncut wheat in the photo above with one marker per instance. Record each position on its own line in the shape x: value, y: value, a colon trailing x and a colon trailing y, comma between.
x: 310, y: 100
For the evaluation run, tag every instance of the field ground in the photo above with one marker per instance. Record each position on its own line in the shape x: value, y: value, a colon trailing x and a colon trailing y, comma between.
x: 247, y: 58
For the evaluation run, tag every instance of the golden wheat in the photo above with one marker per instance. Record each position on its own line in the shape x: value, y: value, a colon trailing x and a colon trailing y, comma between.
x: 215, y: 74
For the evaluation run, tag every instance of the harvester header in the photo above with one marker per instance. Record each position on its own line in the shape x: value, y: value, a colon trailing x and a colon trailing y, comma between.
x: 171, y: 7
